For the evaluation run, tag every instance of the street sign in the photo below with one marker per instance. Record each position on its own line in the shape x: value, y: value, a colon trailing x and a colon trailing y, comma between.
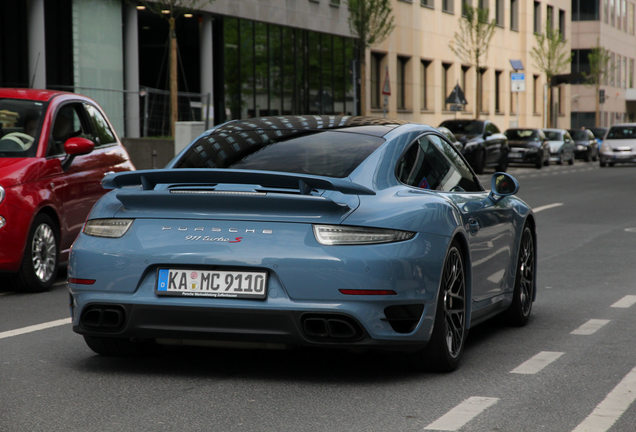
x: 386, y: 87
x: 456, y: 96
x: 517, y: 82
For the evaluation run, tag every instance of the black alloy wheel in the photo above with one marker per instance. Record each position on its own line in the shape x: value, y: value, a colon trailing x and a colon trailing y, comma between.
x: 520, y: 309
x: 446, y: 346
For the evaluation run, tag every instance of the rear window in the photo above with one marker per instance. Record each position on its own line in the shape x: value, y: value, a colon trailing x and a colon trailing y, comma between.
x: 553, y: 135
x: 622, y: 132
x: 579, y: 135
x: 331, y: 153
x: 522, y: 134
x: 461, y: 127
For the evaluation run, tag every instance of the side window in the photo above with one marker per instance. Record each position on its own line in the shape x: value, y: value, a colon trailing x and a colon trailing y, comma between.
x: 465, y: 179
x: 70, y: 121
x: 103, y: 133
x: 431, y: 163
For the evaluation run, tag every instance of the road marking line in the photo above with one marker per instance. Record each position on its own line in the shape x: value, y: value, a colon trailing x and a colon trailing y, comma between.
x: 626, y: 302
x: 34, y: 328
x: 612, y: 407
x: 462, y: 414
x: 537, y: 363
x: 590, y: 327
x: 546, y: 207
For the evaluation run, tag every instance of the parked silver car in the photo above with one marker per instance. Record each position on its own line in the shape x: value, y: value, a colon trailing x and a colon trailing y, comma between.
x: 619, y: 145
x: 561, y: 146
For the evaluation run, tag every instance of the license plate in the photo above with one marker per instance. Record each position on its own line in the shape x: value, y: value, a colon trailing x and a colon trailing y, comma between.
x: 514, y: 155
x: 212, y: 283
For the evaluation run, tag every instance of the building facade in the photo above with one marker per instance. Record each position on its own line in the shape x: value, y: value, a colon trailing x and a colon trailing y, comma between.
x: 609, y: 24
x: 237, y: 59
x: 423, y: 70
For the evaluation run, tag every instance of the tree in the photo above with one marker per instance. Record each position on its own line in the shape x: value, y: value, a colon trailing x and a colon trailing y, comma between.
x: 171, y: 10
x: 600, y: 68
x: 471, y: 42
x: 371, y: 21
x: 551, y: 55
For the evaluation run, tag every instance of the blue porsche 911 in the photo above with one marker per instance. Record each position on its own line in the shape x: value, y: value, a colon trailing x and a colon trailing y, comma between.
x: 330, y: 231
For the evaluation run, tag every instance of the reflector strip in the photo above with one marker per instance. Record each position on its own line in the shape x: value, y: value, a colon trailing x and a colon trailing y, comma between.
x: 367, y: 292
x: 81, y: 281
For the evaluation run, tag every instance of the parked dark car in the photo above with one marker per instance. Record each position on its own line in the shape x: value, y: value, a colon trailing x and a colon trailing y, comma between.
x: 451, y: 137
x: 482, y: 143
x: 528, y: 146
x: 561, y: 146
x: 585, y: 145
x: 55, y: 148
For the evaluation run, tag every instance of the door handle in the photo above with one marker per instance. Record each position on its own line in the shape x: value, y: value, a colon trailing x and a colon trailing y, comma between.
x: 473, y: 225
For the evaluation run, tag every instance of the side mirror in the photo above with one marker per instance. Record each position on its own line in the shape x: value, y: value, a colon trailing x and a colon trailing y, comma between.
x: 487, y: 134
x: 76, y: 146
x: 502, y: 185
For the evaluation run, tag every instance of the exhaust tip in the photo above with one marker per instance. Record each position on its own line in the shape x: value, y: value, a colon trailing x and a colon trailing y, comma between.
x: 331, y: 328
x: 107, y: 318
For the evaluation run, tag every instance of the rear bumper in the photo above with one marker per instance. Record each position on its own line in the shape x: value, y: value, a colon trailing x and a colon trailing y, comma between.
x: 192, y: 325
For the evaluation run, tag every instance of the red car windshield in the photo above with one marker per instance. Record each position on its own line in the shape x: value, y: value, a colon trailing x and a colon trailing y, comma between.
x: 20, y: 122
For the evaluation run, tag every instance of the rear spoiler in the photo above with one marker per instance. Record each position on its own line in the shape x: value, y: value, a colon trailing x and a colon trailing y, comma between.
x: 304, y: 183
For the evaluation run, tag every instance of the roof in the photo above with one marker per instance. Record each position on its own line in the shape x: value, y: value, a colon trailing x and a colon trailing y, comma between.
x: 294, y: 124
x: 30, y: 94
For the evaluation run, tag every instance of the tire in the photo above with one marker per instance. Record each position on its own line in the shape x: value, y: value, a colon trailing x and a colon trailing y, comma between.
x: 539, y: 163
x: 587, y: 157
x: 446, y: 346
x: 520, y: 309
x: 114, y: 346
x: 39, y: 263
x: 571, y: 161
x: 480, y: 161
x: 503, y: 162
x: 602, y: 164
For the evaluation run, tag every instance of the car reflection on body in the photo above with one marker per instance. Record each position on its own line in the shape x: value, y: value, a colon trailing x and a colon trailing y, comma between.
x: 483, y: 144
x: 55, y: 148
x: 599, y: 134
x: 561, y: 146
x: 328, y: 231
x: 451, y: 137
x: 619, y: 145
x: 585, y: 145
x: 528, y: 146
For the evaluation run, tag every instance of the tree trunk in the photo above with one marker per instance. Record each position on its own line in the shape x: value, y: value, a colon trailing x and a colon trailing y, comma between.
x: 597, y: 103
x: 173, y: 77
x: 477, y: 92
x: 363, y: 86
x: 549, y: 107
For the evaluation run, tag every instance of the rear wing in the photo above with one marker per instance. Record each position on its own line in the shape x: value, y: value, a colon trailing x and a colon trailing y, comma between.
x: 304, y: 183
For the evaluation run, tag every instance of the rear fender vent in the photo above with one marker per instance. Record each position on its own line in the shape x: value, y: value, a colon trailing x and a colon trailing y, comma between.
x: 404, y: 318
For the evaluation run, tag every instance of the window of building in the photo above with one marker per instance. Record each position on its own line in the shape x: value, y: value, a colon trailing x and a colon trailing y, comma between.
x: 425, y: 83
x: 514, y: 15
x: 465, y: 4
x: 630, y: 18
x: 536, y: 94
x: 586, y: 10
x: 403, y: 83
x: 581, y: 61
x: 483, y: 4
x: 446, y: 68
x: 630, y: 74
x: 549, y: 17
x: 561, y: 99
x: 562, y: 23
x: 484, y: 102
x: 612, y: 12
x: 612, y: 69
x: 447, y: 6
x: 465, y: 84
x: 537, y: 17
x: 376, y: 79
x: 427, y: 3
x: 499, y: 12
x: 498, y: 92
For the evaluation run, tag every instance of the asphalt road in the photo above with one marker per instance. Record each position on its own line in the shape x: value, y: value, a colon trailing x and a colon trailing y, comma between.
x: 573, y: 368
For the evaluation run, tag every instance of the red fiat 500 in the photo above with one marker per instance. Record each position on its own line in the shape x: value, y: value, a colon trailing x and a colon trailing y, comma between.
x: 55, y: 147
